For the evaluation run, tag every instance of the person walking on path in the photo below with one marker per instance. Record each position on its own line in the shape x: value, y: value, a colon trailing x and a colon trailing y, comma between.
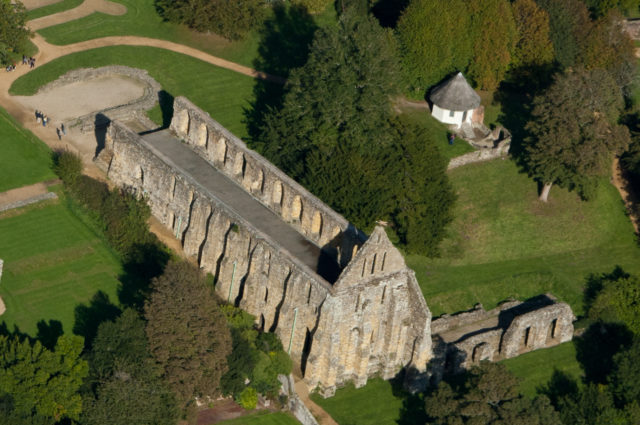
x: 44, y: 120
x: 59, y: 133
x: 63, y: 129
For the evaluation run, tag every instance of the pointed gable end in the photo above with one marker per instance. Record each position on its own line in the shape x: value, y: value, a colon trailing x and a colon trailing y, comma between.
x: 376, y: 258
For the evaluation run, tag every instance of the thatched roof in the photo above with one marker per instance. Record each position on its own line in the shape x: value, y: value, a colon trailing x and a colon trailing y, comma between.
x: 455, y: 94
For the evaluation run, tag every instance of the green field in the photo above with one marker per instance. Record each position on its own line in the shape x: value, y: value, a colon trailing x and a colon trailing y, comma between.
x: 277, y: 418
x: 222, y: 93
x: 24, y: 159
x: 372, y: 404
x: 142, y: 20
x: 60, y: 6
x: 504, y: 243
x: 52, y: 263
x: 536, y: 368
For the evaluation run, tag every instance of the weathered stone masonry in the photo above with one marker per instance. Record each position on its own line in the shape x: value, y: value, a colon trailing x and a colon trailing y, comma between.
x: 369, y: 318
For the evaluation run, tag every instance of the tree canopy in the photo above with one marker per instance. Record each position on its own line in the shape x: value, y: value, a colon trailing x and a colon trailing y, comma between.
x: 229, y: 18
x: 533, y: 46
x: 13, y: 31
x: 187, y: 332
x: 434, y: 41
x: 568, y: 24
x: 574, y: 131
x: 38, y: 383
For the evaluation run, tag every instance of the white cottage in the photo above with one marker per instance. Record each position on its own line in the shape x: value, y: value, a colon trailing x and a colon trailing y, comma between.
x: 454, y: 101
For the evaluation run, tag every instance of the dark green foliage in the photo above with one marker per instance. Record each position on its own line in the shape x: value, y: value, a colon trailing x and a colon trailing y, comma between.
x: 257, y: 356
x: 489, y: 396
x: 13, y: 33
x: 617, y: 300
x: 125, y: 385
x: 37, y: 383
x: 493, y: 45
x: 624, y: 380
x: 568, y: 22
x: 435, y: 41
x: 187, y: 332
x: 230, y: 18
x: 67, y: 165
x: 574, y: 130
x: 602, y: 7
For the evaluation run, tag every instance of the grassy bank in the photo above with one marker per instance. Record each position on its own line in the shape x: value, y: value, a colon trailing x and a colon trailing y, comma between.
x: 263, y: 418
x: 505, y: 243
x: 51, y: 9
x: 52, y: 263
x: 24, y: 159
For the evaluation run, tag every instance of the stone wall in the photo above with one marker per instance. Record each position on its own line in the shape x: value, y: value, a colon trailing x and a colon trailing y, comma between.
x: 134, y: 109
x: 264, y: 181
x: 484, y: 154
x: 371, y: 322
x: 294, y: 404
x: 511, y: 329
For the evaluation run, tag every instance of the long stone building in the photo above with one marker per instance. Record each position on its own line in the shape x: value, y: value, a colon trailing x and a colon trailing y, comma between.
x: 345, y: 305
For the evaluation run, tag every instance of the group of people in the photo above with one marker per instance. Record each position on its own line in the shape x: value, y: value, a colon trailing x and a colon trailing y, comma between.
x: 31, y: 61
x: 43, y: 119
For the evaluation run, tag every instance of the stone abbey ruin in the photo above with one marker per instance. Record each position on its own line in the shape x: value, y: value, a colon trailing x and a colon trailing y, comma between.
x: 345, y: 305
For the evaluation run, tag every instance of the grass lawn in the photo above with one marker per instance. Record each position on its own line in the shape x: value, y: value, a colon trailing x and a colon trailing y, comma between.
x: 439, y: 132
x: 372, y: 404
x: 263, y: 418
x: 222, y: 93
x: 142, y: 19
x: 58, y: 7
x: 534, y: 371
x: 505, y: 243
x: 24, y: 159
x: 52, y: 263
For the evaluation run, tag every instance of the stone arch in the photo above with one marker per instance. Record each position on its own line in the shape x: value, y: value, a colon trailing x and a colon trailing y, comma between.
x: 173, y: 187
x: 316, y: 223
x: 238, y: 164
x: 258, y: 183
x: 553, y: 329
x: 220, y: 154
x: 296, y: 208
x: 201, y: 135
x: 373, y: 263
x: 527, y: 337
x: 276, y: 196
x: 140, y: 175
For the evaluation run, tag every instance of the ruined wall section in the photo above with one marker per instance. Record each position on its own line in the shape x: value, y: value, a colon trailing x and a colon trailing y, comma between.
x: 265, y: 182
x: 250, y: 269
x: 376, y: 322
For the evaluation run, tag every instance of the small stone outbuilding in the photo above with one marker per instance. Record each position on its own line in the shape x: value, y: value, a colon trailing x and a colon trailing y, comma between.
x: 454, y: 101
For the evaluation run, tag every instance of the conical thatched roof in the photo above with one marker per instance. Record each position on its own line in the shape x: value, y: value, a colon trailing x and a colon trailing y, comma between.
x: 455, y: 94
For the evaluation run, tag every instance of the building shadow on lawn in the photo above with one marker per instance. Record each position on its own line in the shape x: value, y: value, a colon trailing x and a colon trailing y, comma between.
x: 412, y: 411
x: 284, y: 45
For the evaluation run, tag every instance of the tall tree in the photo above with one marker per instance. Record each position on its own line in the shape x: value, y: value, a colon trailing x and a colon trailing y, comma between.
x: 187, y: 332
x: 574, y: 131
x: 40, y: 382
x: 493, y: 44
x: 314, y: 6
x: 618, y: 300
x: 603, y: 7
x: 13, y: 31
x: 435, y: 41
x: 533, y: 47
x: 568, y: 23
x: 125, y: 384
x: 490, y: 396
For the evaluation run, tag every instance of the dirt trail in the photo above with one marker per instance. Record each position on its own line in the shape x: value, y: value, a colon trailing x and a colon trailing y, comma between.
x: 34, y: 4
x: 629, y: 196
x: 85, y: 9
x: 25, y: 192
x: 318, y: 412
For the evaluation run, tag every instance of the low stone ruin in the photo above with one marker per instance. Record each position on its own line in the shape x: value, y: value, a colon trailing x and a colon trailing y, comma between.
x: 490, y: 144
x: 513, y: 328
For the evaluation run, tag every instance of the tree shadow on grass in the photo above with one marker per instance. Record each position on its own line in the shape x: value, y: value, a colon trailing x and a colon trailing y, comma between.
x: 597, y: 346
x: 89, y: 317
x: 284, y: 45
x: 48, y: 333
x: 559, y: 386
x: 146, y: 262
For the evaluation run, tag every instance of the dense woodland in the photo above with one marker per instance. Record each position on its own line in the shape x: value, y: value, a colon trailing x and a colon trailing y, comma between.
x: 565, y: 74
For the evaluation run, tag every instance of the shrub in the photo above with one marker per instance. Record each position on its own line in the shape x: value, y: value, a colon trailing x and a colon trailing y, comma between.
x: 248, y: 398
x: 314, y: 6
x: 67, y: 165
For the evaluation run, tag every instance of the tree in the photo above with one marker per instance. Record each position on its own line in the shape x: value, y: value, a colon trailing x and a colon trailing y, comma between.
x: 126, y: 385
x: 603, y: 7
x: 493, y: 44
x: 435, y: 41
x: 533, y: 46
x: 187, y: 332
x: 490, y: 396
x: 618, y: 301
x: 39, y: 382
x: 13, y: 31
x: 568, y: 24
x: 574, y: 131
x: 229, y: 18
x: 608, y: 46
